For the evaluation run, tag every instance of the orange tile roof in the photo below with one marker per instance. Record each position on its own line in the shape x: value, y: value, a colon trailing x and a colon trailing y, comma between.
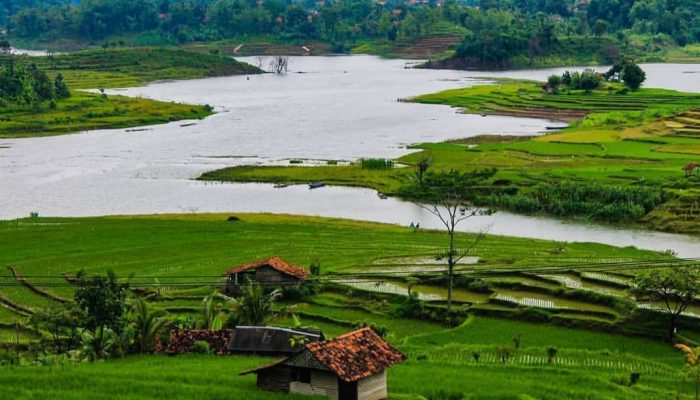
x: 273, y: 262
x: 353, y: 356
x: 356, y: 355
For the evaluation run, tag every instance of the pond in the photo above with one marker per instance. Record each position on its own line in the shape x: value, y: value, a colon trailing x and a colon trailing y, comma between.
x: 326, y: 108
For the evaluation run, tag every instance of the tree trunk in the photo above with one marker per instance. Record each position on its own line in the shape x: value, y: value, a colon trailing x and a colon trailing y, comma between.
x: 450, y: 269
x: 672, y: 327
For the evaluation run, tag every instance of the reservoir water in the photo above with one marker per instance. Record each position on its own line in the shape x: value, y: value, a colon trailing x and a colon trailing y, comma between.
x: 325, y: 108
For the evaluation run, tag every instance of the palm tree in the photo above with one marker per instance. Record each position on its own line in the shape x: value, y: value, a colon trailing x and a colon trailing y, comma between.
x: 254, y: 307
x: 210, y: 314
x: 97, y: 345
x: 692, y: 356
x: 147, y: 324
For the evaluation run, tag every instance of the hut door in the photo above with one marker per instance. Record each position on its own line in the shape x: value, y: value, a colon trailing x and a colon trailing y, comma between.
x: 347, y: 390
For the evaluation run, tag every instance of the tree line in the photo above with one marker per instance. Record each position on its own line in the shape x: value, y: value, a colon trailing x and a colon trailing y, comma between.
x: 493, y: 29
x: 22, y: 85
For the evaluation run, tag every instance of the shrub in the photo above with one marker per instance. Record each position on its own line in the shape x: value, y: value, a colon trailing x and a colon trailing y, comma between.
x: 551, y: 353
x: 201, y: 347
x: 376, y: 163
x: 8, y: 358
x: 634, y: 378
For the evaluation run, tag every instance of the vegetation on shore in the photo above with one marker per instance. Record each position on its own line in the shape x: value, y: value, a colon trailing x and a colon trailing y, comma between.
x: 619, y: 142
x: 553, y: 343
x: 456, y: 34
x: 99, y: 69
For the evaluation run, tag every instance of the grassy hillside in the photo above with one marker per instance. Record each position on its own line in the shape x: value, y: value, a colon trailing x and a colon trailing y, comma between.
x: 124, y: 67
x: 171, y: 249
x: 634, y: 139
x: 100, y: 69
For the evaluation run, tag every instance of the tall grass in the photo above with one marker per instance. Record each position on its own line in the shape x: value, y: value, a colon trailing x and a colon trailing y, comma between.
x: 589, y: 200
x: 376, y: 163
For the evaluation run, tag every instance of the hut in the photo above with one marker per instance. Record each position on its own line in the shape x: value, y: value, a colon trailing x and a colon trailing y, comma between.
x: 271, y: 341
x: 272, y: 271
x: 349, y: 367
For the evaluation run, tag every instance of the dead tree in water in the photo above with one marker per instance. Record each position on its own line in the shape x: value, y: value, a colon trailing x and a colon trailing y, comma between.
x: 279, y: 64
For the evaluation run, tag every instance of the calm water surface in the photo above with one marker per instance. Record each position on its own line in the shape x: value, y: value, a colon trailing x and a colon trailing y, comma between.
x: 337, y: 108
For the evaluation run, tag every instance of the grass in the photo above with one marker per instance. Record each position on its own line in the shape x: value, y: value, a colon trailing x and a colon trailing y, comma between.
x: 155, y: 377
x: 181, y: 245
x: 87, y: 111
x: 642, y: 137
x: 589, y: 365
x: 127, y: 67
x: 108, y: 69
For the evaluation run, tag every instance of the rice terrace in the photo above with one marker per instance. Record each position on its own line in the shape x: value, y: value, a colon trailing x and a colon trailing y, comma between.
x: 349, y: 200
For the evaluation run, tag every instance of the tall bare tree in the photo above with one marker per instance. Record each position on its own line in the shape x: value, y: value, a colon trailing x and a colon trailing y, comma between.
x: 453, y: 198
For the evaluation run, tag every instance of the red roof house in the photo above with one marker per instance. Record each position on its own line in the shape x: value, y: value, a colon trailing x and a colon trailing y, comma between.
x: 271, y: 271
x: 349, y: 367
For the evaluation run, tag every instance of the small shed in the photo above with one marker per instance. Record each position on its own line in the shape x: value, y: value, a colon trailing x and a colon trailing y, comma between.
x: 349, y: 367
x: 271, y: 341
x: 271, y: 271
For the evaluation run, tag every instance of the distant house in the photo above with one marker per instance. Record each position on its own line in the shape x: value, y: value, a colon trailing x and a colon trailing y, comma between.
x: 272, y: 271
x: 271, y: 341
x: 349, y: 367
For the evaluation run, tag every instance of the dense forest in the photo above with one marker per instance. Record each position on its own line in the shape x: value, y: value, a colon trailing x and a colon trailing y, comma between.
x: 493, y: 31
x: 27, y: 85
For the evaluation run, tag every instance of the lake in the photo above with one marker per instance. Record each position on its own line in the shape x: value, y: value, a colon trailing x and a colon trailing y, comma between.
x: 325, y: 108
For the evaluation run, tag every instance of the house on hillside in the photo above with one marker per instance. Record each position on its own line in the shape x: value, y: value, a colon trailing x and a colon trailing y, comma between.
x: 349, y: 367
x: 270, y: 340
x: 270, y: 272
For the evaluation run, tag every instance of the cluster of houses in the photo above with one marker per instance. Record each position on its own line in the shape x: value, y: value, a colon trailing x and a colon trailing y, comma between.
x: 348, y: 367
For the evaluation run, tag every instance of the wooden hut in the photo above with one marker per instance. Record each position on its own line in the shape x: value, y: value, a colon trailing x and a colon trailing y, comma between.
x: 272, y: 271
x: 270, y: 340
x: 349, y: 367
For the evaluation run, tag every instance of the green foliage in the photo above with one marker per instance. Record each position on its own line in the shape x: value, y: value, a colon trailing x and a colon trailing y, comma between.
x: 29, y: 86
x: 147, y: 324
x: 589, y: 200
x: 201, y: 347
x: 376, y: 163
x: 102, y: 300
x: 673, y: 289
x: 61, y: 321
x: 453, y: 187
x: 98, y: 344
x: 255, y: 306
x: 8, y: 358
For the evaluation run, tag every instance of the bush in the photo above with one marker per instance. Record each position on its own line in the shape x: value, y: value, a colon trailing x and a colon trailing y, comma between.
x: 590, y: 200
x: 8, y: 358
x: 201, y: 347
x: 376, y: 163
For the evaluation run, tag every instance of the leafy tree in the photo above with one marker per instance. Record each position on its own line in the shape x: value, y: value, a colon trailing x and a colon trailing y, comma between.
x: 60, y: 87
x: 633, y: 75
x: 589, y: 80
x: 147, y: 324
x: 600, y: 27
x: 254, y: 306
x: 61, y: 322
x: 674, y: 288
x: 97, y: 344
x: 422, y: 167
x: 102, y: 301
x: 452, y: 197
x: 554, y: 82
